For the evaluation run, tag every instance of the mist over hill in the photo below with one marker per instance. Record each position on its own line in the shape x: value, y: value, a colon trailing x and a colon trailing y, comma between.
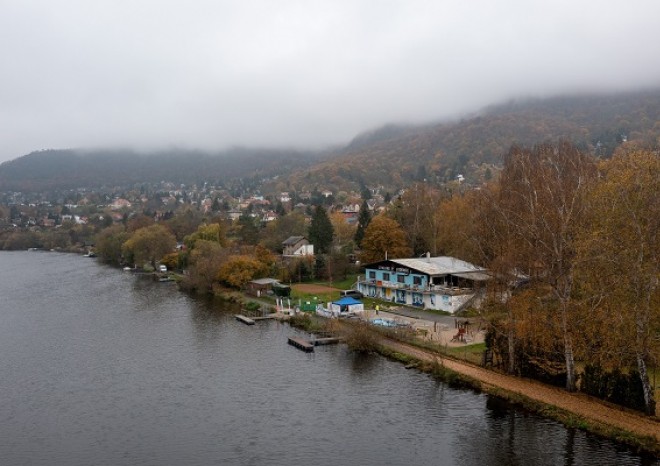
x: 397, y: 155
x: 69, y: 169
x: 393, y: 155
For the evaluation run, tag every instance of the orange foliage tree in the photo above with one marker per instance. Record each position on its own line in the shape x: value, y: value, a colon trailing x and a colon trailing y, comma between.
x: 382, y: 237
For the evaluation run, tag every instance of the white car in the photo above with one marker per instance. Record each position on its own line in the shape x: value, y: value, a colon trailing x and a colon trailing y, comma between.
x: 162, y: 268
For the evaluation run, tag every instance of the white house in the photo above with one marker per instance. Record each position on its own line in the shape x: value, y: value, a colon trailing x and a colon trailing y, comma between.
x: 441, y: 283
x: 297, y: 246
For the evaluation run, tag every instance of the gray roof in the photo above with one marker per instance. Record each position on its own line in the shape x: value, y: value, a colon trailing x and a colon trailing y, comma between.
x: 444, y: 265
x: 292, y: 240
x: 265, y: 281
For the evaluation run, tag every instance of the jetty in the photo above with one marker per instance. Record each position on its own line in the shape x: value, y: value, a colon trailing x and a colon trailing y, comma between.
x: 244, y: 319
x: 301, y: 344
x: 325, y: 341
x: 308, y: 345
x: 267, y: 317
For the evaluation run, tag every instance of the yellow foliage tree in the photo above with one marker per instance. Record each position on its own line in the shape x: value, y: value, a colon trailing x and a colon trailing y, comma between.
x: 344, y: 231
x: 239, y: 270
x: 619, y: 266
x: 149, y: 244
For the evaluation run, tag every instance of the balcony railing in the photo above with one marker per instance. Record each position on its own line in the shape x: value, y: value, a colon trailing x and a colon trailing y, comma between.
x: 449, y: 290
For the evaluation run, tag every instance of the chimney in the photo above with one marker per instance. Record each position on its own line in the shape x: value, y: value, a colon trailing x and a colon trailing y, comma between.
x: 428, y: 256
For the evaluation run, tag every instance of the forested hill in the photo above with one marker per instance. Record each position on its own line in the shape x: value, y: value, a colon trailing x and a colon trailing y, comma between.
x: 393, y: 156
x: 398, y: 155
x: 68, y: 169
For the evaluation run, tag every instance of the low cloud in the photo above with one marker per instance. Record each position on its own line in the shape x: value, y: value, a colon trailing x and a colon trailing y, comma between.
x: 213, y: 74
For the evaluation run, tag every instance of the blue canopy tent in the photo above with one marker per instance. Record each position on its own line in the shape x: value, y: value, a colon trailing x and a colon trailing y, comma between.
x: 346, y: 306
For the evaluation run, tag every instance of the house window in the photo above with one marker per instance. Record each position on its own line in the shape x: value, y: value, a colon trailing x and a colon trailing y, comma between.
x: 386, y: 277
x: 401, y: 278
x: 417, y: 280
x: 372, y: 274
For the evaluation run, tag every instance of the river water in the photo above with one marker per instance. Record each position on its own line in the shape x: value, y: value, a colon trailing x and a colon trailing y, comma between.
x: 102, y: 367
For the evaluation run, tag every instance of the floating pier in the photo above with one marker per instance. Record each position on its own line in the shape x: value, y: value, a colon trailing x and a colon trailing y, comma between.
x: 245, y: 320
x: 308, y: 345
x: 266, y: 317
x: 325, y: 341
x: 301, y: 344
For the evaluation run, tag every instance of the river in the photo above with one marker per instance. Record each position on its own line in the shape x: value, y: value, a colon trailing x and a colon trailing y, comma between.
x: 103, y: 367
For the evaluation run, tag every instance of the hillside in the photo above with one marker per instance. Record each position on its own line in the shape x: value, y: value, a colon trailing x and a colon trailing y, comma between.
x: 394, y: 156
x: 68, y: 169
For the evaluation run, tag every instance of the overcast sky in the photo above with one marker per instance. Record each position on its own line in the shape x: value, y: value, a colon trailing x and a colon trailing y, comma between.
x: 211, y: 73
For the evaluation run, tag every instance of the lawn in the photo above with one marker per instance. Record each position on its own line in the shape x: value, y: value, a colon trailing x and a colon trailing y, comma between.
x: 470, y: 353
x: 344, y: 284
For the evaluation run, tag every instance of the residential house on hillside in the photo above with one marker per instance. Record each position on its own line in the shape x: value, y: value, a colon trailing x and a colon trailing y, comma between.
x: 234, y: 214
x: 441, y: 283
x: 351, y: 213
x: 120, y: 204
x: 269, y: 216
x: 297, y: 246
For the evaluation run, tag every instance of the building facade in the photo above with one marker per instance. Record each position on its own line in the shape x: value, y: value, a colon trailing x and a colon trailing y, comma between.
x: 440, y: 283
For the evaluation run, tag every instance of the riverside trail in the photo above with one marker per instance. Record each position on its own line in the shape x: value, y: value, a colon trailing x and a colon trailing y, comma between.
x: 575, y: 403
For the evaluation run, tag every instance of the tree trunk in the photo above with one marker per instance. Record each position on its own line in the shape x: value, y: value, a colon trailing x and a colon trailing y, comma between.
x: 570, y: 364
x: 568, y: 349
x: 649, y: 398
x: 511, y: 340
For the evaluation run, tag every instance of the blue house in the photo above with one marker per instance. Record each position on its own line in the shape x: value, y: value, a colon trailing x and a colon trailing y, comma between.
x: 441, y: 283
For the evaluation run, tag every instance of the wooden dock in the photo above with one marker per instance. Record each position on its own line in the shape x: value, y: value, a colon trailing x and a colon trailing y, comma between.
x: 325, y: 341
x: 245, y: 320
x: 266, y: 317
x: 301, y: 344
x: 308, y: 345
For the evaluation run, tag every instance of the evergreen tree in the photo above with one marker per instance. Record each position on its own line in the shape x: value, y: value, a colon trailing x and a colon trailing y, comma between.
x: 248, y: 230
x: 363, y: 222
x: 321, y: 231
x: 216, y: 205
x: 279, y: 209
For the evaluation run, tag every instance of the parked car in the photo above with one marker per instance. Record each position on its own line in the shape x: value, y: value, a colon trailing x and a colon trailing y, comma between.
x: 351, y: 293
x: 162, y: 268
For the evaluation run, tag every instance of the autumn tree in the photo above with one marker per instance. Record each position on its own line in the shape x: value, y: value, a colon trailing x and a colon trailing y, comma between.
x: 619, y: 266
x: 459, y: 224
x: 416, y: 212
x: 384, y: 237
x: 214, y: 232
x: 320, y: 232
x: 204, y: 263
x: 343, y: 231
x: 541, y: 202
x: 138, y: 221
x: 109, y: 242
x: 237, y: 271
x: 184, y: 222
x: 149, y: 244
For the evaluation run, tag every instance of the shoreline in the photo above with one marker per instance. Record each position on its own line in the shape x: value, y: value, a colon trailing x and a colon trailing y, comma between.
x: 575, y: 410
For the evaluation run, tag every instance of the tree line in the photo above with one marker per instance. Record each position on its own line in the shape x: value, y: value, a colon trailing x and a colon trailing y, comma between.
x: 571, y: 242
x: 573, y: 248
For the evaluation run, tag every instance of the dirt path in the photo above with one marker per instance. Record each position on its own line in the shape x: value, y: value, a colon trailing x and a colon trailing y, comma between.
x: 575, y: 403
